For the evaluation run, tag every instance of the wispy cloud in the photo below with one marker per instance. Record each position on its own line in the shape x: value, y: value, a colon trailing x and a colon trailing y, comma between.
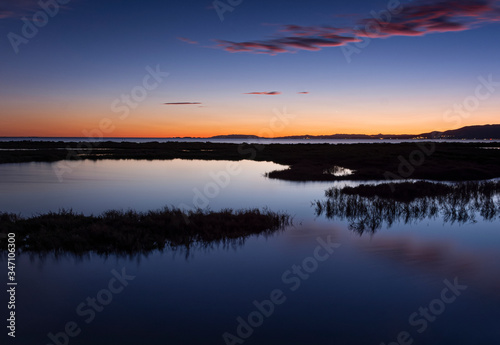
x: 20, y: 8
x: 304, y: 38
x: 187, y: 40
x: 445, y: 16
x: 182, y: 103
x: 414, y: 20
x: 269, y: 93
x: 303, y: 92
x: 6, y: 14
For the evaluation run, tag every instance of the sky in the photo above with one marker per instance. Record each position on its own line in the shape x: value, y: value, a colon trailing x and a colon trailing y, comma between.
x: 88, y: 68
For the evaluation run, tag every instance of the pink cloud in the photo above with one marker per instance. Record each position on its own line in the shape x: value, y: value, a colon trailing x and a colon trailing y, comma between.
x: 20, y: 8
x: 414, y: 20
x: 187, y: 40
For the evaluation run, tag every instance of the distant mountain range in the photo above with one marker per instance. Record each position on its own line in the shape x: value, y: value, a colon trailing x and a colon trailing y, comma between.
x: 469, y: 132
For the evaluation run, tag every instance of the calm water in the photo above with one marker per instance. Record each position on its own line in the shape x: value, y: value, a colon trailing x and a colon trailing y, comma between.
x: 360, y: 290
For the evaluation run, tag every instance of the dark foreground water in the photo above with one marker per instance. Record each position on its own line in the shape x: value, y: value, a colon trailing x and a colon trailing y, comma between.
x: 427, y: 281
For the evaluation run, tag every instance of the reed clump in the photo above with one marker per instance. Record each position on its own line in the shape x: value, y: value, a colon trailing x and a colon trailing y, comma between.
x: 368, y: 208
x: 137, y: 232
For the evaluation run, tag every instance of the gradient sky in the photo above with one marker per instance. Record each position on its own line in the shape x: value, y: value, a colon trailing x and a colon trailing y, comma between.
x: 234, y: 75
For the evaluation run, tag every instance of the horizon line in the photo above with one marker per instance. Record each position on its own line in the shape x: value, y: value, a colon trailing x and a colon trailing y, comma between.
x: 222, y: 135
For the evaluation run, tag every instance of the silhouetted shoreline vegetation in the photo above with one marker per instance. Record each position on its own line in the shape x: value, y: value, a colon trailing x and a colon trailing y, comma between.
x: 307, y: 162
x: 129, y: 232
x: 368, y: 208
x: 409, y: 191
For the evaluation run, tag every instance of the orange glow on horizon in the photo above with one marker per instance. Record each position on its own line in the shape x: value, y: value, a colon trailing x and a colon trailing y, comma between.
x: 150, y: 122
x: 135, y: 132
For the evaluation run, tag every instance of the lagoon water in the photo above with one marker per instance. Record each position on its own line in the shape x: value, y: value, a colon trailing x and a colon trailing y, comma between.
x: 425, y: 282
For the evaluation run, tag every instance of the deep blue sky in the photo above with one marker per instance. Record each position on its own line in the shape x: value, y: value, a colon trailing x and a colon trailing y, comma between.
x: 65, y: 79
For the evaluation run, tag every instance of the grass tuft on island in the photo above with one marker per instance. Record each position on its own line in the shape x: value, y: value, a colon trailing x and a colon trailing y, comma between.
x: 368, y: 208
x: 409, y: 191
x: 130, y: 232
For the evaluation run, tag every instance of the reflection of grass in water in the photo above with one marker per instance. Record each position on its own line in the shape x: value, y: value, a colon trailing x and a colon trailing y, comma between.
x: 368, y: 207
x: 134, y: 232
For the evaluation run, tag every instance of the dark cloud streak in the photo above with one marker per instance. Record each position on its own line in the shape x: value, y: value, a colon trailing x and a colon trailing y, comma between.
x: 416, y: 19
x: 268, y: 93
x: 182, y: 103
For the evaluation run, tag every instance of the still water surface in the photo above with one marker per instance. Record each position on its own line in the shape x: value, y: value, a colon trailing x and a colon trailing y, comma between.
x: 366, y: 289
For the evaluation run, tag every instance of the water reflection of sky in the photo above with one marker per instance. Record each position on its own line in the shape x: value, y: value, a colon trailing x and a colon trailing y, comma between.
x: 143, y: 185
x: 363, y: 294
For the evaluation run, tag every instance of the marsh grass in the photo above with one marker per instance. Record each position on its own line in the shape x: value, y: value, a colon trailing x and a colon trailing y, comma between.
x: 137, y: 232
x: 368, y: 208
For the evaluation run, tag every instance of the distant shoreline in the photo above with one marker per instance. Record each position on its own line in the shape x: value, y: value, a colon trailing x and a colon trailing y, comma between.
x: 478, y: 132
x: 235, y: 141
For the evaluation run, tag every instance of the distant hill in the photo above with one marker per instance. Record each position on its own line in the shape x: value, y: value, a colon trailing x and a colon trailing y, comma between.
x: 469, y: 132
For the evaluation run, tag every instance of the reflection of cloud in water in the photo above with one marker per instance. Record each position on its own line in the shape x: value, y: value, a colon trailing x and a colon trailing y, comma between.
x: 440, y: 259
x: 369, y: 208
x: 438, y: 256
